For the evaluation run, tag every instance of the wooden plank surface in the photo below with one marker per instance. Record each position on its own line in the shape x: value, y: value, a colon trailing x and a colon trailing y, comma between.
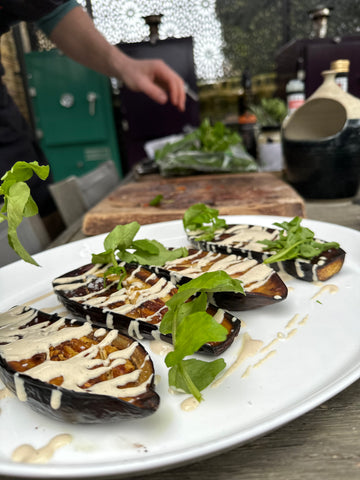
x: 232, y: 194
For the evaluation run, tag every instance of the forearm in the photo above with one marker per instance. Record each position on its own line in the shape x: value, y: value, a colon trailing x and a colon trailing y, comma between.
x: 77, y: 38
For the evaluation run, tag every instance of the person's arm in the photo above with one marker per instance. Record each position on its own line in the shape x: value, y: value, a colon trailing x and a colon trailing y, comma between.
x: 76, y: 36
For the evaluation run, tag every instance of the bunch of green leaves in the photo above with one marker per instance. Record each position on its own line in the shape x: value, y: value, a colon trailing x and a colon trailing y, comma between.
x: 270, y: 112
x: 120, y: 244
x: 216, y: 138
x: 18, y: 202
x: 201, y: 217
x: 191, y: 327
x: 295, y: 241
x: 209, y: 149
x: 206, y: 138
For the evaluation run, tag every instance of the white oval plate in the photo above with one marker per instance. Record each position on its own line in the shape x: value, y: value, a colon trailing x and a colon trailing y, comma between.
x: 312, y: 352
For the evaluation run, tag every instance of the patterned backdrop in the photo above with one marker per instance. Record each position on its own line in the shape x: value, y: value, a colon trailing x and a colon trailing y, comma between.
x: 121, y: 21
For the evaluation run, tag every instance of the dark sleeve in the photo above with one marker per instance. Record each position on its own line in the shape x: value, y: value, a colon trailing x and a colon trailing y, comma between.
x: 13, y: 11
x: 48, y: 22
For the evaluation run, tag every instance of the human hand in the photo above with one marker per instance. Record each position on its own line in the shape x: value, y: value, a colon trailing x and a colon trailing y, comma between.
x: 155, y: 79
x: 76, y: 36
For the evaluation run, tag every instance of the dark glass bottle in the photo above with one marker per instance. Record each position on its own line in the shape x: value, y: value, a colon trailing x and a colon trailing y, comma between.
x: 247, y: 121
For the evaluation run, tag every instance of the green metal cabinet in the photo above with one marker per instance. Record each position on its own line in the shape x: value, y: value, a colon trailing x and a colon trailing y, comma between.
x: 73, y: 114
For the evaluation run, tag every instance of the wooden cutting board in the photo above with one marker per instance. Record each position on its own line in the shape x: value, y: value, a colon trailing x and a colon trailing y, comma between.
x: 232, y: 194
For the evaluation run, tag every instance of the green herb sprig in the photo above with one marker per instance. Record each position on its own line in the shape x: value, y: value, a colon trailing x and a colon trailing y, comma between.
x: 295, y: 241
x: 18, y: 202
x: 155, y: 202
x: 191, y: 327
x: 146, y: 252
x: 201, y: 217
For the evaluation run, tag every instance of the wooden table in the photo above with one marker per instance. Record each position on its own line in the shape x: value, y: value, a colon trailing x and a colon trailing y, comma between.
x: 252, y: 193
x: 323, y: 444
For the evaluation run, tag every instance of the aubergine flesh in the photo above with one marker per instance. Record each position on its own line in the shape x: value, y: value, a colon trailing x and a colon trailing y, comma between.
x: 136, y: 309
x: 73, y: 371
x: 262, y: 285
x: 243, y: 240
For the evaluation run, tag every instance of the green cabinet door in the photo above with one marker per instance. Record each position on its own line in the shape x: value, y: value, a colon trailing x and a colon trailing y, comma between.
x: 73, y: 114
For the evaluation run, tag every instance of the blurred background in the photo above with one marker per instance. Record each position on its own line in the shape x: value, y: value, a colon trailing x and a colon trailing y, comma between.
x: 235, y: 55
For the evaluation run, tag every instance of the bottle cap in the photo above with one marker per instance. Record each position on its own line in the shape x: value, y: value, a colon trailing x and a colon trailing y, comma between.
x: 295, y: 85
x: 340, y: 65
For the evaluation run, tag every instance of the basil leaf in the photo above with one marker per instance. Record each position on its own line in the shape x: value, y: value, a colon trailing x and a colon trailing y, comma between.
x: 146, y: 252
x: 201, y: 217
x: 193, y: 332
x: 147, y: 246
x: 198, y: 304
x: 121, y: 236
x: 104, y: 257
x: 18, y: 198
x: 191, y: 327
x: 151, y: 252
x: 201, y: 373
x: 22, y: 172
x: 209, y: 282
x: 18, y: 202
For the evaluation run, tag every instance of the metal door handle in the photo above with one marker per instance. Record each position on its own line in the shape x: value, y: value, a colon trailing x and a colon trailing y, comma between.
x: 91, y: 98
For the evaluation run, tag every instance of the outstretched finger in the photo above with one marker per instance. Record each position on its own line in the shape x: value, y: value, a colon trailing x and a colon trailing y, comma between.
x: 178, y: 94
x: 173, y: 83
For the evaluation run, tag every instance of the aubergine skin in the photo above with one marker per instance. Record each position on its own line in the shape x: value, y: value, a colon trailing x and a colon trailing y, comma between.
x: 270, y: 292
x: 78, y: 406
x: 319, y: 268
x: 98, y: 317
x: 313, y: 271
x: 123, y: 323
x: 237, y: 302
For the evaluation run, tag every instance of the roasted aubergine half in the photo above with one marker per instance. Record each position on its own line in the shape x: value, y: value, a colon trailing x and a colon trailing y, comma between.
x: 135, y: 309
x: 72, y: 371
x: 262, y: 285
x: 243, y: 240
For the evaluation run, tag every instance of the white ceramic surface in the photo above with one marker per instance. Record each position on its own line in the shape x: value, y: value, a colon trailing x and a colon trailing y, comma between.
x: 309, y: 358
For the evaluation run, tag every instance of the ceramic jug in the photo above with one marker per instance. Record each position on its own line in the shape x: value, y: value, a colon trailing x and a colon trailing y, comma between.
x: 321, y: 143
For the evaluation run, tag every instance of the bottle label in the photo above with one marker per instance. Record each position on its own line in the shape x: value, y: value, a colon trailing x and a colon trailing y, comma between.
x: 294, y: 101
x: 342, y: 82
